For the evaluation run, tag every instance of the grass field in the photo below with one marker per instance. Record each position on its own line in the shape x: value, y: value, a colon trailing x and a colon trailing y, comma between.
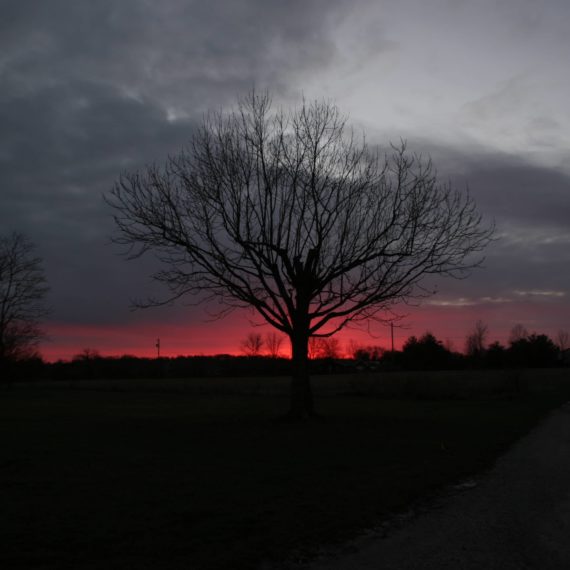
x: 152, y: 475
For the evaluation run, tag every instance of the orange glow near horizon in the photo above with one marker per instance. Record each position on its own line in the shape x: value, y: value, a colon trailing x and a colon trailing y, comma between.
x: 449, y: 324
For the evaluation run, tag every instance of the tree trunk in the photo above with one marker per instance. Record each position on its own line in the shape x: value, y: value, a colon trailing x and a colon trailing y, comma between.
x: 3, y: 362
x: 302, y: 404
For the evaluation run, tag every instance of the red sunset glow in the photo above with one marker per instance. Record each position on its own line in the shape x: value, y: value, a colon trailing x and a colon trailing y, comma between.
x: 450, y: 324
x: 75, y: 120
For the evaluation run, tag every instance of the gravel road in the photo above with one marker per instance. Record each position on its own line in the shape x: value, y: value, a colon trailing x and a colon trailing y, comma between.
x: 517, y: 516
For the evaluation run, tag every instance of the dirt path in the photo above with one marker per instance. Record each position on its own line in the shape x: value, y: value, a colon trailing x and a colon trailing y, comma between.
x: 517, y: 517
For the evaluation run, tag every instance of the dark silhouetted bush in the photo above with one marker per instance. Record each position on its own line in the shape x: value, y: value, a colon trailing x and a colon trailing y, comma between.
x: 534, y: 351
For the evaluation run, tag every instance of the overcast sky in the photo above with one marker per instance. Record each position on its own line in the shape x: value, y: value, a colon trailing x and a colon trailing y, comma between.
x: 91, y: 89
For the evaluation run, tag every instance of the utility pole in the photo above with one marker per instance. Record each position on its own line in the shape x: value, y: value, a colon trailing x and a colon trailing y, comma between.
x: 392, y: 333
x: 157, y: 347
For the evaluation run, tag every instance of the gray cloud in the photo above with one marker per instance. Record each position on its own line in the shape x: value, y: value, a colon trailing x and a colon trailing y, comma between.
x: 530, y: 206
x: 90, y: 89
x: 184, y: 54
x: 518, y: 192
x: 507, y: 187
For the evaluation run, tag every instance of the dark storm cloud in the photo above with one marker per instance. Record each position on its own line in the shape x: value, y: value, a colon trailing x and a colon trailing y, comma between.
x: 90, y: 89
x: 58, y: 154
x: 530, y: 206
x: 183, y: 53
x: 66, y: 142
x: 517, y: 191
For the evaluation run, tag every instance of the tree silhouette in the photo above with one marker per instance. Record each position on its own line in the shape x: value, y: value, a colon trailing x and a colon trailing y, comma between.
x: 22, y: 298
x: 293, y: 215
x: 425, y: 353
x: 324, y: 348
x: 252, y: 344
x: 273, y: 342
x: 563, y: 340
x: 496, y: 355
x: 534, y: 351
x: 475, y: 340
x: 86, y: 355
x: 370, y: 352
x: 518, y: 332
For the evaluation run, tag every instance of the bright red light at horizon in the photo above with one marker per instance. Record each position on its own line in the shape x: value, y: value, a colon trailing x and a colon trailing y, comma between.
x: 448, y: 324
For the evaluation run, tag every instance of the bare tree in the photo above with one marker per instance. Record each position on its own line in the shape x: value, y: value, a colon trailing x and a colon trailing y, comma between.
x: 353, y: 348
x: 313, y: 348
x: 86, y: 355
x: 449, y: 345
x: 322, y: 347
x: 273, y: 343
x: 292, y: 214
x: 475, y: 341
x: 518, y: 332
x: 252, y: 344
x: 22, y: 298
x: 370, y: 352
x: 563, y: 340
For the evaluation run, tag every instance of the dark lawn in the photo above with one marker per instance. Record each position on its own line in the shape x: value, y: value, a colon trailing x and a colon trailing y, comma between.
x: 108, y: 480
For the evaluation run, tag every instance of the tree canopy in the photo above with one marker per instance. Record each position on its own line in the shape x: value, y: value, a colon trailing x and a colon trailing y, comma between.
x: 23, y: 289
x: 294, y: 215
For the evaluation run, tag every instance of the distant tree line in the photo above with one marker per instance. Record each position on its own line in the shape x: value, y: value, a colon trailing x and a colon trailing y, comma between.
x: 291, y: 213
x: 524, y: 350
x: 426, y: 352
x: 90, y: 365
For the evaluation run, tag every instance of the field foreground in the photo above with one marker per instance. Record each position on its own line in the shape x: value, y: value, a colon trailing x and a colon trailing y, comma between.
x: 108, y: 478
